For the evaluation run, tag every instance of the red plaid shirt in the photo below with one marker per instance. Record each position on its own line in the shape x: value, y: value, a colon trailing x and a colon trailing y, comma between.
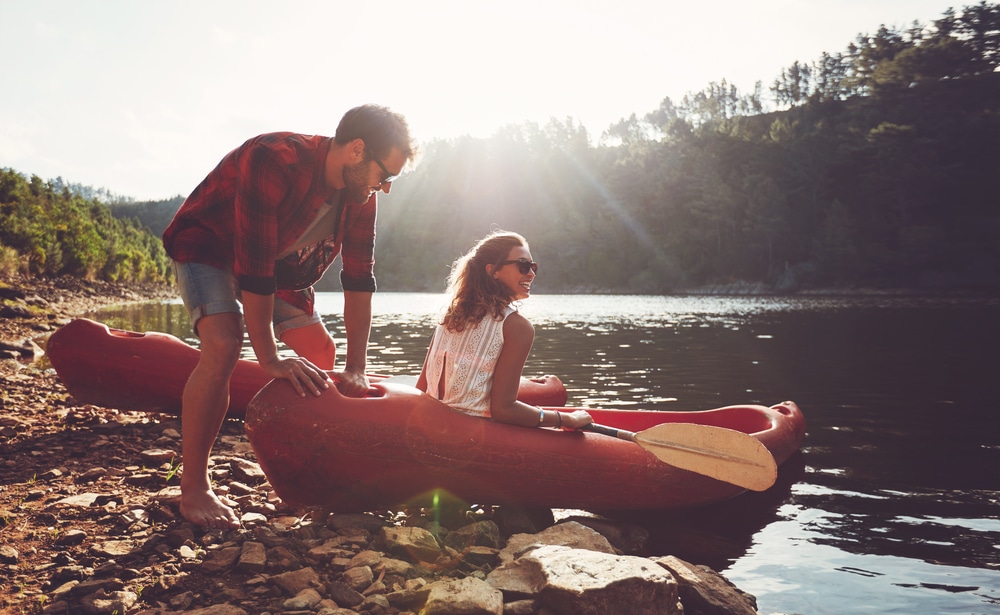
x: 261, y: 198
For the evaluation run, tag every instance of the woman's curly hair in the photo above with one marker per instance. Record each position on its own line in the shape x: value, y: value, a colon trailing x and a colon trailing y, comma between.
x: 474, y: 293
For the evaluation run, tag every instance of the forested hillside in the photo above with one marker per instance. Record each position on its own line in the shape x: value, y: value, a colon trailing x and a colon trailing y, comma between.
x: 880, y: 171
x: 876, y: 166
x: 154, y: 215
x: 53, y: 232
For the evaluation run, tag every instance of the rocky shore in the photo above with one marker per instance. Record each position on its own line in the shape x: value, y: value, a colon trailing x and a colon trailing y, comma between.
x: 89, y: 521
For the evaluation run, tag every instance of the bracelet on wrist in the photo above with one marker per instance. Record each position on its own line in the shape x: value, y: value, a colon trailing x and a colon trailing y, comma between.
x: 541, y: 417
x: 559, y: 418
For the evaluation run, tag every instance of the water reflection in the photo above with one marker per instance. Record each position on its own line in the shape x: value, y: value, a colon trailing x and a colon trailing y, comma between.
x: 891, y: 505
x: 937, y: 527
x: 164, y: 316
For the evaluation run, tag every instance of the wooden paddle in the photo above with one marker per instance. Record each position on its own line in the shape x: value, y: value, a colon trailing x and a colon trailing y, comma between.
x: 724, y: 454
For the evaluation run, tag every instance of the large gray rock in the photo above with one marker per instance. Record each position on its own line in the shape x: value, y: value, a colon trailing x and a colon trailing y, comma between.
x: 101, y: 603
x: 569, y: 534
x: 479, y: 534
x: 628, y: 537
x: 706, y: 592
x: 571, y: 581
x: 468, y: 596
x: 414, y: 542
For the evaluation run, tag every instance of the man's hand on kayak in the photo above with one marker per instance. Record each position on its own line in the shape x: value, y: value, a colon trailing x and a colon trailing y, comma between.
x: 353, y: 383
x: 301, y: 373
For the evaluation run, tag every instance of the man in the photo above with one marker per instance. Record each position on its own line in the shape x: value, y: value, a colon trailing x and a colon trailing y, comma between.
x: 260, y: 230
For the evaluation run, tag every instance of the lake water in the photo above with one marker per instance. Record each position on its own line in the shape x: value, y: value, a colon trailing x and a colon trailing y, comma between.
x: 893, y: 504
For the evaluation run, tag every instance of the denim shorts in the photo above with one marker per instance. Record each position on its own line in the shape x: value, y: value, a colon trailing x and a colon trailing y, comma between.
x: 206, y: 290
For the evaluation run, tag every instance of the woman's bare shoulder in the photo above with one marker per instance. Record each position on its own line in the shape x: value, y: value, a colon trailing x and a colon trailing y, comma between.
x: 517, y: 324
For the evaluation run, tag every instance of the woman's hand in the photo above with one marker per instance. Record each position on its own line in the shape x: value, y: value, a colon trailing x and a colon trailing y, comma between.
x: 301, y: 373
x: 576, y: 419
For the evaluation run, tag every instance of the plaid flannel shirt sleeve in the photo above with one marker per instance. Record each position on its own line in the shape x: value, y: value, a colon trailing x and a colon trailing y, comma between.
x: 358, y: 250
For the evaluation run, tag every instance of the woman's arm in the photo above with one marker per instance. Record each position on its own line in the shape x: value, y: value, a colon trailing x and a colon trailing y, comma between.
x: 518, y: 335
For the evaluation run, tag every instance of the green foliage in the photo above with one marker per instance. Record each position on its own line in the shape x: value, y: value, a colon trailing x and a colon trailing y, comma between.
x: 10, y: 262
x: 175, y: 466
x: 154, y: 215
x: 57, y: 232
x: 883, y: 156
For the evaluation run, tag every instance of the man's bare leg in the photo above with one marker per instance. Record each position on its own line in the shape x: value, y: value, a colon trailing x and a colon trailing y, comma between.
x: 314, y: 343
x: 204, y: 405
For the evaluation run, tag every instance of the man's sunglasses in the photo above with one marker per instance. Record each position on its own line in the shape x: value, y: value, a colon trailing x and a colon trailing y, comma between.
x: 389, y: 177
x: 523, y: 265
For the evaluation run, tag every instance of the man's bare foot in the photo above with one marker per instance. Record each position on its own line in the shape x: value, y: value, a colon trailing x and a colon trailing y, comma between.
x: 205, y: 509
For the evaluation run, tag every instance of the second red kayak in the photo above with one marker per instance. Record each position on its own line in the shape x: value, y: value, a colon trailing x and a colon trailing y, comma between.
x: 115, y: 368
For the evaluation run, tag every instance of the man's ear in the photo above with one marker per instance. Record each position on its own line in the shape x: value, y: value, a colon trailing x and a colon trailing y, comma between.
x: 357, y: 149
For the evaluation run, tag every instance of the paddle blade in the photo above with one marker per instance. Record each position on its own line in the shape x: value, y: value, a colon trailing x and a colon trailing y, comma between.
x: 724, y: 454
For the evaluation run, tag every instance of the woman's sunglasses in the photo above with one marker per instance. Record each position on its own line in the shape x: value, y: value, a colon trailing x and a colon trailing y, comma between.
x: 523, y: 265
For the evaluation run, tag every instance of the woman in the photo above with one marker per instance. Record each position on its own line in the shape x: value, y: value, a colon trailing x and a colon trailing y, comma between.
x: 478, y: 351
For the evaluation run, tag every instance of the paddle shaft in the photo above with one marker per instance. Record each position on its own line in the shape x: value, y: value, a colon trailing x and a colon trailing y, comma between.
x: 723, y: 454
x: 614, y: 432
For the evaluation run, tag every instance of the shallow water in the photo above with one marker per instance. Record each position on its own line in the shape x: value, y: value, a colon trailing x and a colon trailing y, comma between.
x: 893, y: 505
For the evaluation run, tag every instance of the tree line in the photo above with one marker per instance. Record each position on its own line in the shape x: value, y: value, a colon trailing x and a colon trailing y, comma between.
x: 874, y: 166
x: 47, y: 229
x: 877, y: 167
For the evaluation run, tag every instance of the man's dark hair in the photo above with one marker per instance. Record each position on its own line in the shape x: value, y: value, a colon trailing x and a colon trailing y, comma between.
x: 380, y: 128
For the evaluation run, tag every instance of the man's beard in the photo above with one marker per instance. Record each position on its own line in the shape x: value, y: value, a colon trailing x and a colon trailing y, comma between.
x: 355, y: 182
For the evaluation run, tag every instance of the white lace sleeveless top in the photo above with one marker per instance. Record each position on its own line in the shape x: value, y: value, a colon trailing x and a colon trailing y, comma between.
x: 465, y: 361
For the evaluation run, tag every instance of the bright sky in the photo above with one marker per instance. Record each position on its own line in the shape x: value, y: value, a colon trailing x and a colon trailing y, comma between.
x: 143, y: 98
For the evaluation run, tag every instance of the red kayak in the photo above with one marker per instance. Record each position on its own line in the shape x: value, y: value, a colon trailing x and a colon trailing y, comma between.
x: 404, y: 447
x: 147, y: 371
